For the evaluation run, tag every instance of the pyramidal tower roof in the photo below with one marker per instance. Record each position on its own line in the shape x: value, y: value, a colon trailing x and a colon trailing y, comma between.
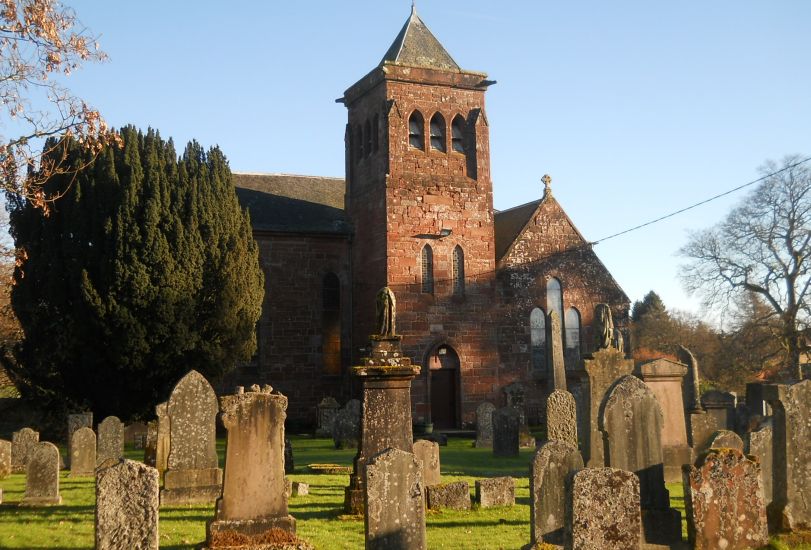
x: 416, y: 46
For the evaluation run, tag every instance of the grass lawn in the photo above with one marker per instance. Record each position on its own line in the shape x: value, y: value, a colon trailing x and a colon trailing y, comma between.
x: 319, y: 515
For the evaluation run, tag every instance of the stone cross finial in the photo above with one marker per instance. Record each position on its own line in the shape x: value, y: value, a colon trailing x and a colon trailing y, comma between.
x: 547, y: 184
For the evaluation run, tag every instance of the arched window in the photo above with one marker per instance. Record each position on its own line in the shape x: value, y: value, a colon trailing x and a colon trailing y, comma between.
x: 427, y: 270
x: 572, y: 323
x: 537, y: 338
x: 458, y: 134
x: 367, y: 149
x: 438, y: 132
x: 458, y: 271
x: 359, y: 141
x: 331, y: 329
x: 376, y: 134
x: 554, y: 297
x: 416, y: 127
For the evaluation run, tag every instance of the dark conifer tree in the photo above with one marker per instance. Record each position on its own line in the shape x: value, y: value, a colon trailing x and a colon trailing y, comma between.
x: 144, y: 269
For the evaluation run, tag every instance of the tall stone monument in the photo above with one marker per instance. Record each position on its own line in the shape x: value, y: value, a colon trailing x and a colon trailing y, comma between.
x: 554, y: 357
x: 42, y: 476
x: 192, y: 473
x: 386, y: 415
x: 127, y: 506
x: 253, y: 501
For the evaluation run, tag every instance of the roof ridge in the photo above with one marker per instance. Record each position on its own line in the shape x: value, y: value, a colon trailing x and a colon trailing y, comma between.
x: 519, y: 206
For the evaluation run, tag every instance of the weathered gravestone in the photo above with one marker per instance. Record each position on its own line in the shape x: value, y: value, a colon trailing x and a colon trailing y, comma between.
x: 253, y: 501
x: 759, y: 444
x: 151, y: 443
x: 454, y: 496
x: 110, y: 440
x: 495, y: 491
x: 701, y: 426
x: 289, y: 465
x: 791, y: 432
x: 632, y: 422
x: 723, y: 499
x: 5, y: 458
x: 554, y: 461
x: 602, y: 510
x: 561, y: 417
x: 135, y: 434
x: 556, y: 368
x: 22, y: 443
x: 725, y: 439
x: 515, y: 394
x: 42, y: 476
x: 346, y: 425
x: 484, y: 425
x: 127, y: 506
x: 164, y: 436
x: 721, y: 405
x: 76, y: 421
x: 83, y: 453
x: 506, y: 423
x: 192, y: 473
x: 427, y: 452
x: 604, y: 368
x: 395, y: 502
x: 327, y: 409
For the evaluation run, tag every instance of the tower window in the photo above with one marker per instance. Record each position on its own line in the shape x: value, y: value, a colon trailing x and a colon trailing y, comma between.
x: 458, y: 271
x: 458, y: 134
x: 368, y: 131
x: 416, y: 127
x: 438, y: 132
x: 427, y: 270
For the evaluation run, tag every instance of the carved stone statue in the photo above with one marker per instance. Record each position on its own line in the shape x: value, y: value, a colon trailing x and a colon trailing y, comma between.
x: 603, y: 327
x: 619, y: 341
x: 386, y: 310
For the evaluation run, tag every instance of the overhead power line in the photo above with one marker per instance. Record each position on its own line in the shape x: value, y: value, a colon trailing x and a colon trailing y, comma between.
x: 685, y: 209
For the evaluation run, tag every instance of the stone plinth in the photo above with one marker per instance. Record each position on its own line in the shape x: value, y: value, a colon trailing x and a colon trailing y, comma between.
x: 551, y: 466
x: 386, y: 410
x: 253, y: 500
x: 454, y: 496
x: 127, y: 506
x: 603, y: 368
x: 496, y: 491
x: 42, y: 476
x: 83, y: 453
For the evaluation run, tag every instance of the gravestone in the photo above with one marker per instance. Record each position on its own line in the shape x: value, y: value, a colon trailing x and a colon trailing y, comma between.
x: 394, y: 502
x: 76, y: 421
x: 724, y: 504
x: 756, y: 404
x: 164, y: 435
x: 554, y: 461
x: 561, y: 417
x: 506, y: 423
x: 253, y: 501
x: 327, y: 409
x: 665, y: 378
x: 602, y: 510
x: 5, y: 458
x: 192, y: 474
x: 701, y: 427
x: 603, y: 369
x: 555, y: 364
x: 484, y: 425
x: 453, y: 496
x: 151, y: 443
x: 346, y: 425
x: 110, y: 440
x: 791, y: 475
x: 135, y: 434
x: 42, y: 476
x: 721, y: 405
x: 300, y: 488
x: 725, y: 439
x: 83, y: 453
x: 427, y: 452
x: 289, y: 465
x: 632, y: 421
x: 515, y: 395
x: 22, y: 443
x: 127, y: 506
x: 759, y: 444
x: 495, y: 491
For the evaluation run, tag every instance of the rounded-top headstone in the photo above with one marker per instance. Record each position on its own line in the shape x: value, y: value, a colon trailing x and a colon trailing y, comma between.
x: 561, y: 417
x: 725, y: 439
x: 22, y: 444
x: 83, y: 452
x: 110, y: 440
x: 192, y: 410
x: 42, y: 476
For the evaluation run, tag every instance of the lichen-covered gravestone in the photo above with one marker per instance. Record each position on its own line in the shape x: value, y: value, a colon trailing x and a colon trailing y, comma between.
x: 22, y: 443
x: 76, y: 421
x: 427, y: 452
x: 395, y: 502
x: 42, y: 476
x: 192, y: 474
x: 5, y: 458
x: 759, y: 444
x: 495, y: 491
x: 561, y: 417
x: 791, y: 431
x: 454, y: 496
x: 604, y: 368
x: 725, y: 439
x: 253, y: 500
x: 127, y: 506
x: 506, y: 423
x: 110, y: 440
x: 550, y: 467
x: 346, y: 425
x: 723, y: 499
x: 602, y: 510
x: 83, y: 453
x: 484, y: 425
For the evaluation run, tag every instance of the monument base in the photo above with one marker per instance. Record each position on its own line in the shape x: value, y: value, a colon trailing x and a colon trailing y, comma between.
x: 40, y: 501
x: 278, y: 533
x: 353, y: 501
x: 191, y: 486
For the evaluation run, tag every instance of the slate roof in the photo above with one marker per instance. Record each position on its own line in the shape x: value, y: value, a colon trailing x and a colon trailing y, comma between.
x: 293, y: 204
x: 416, y: 46
x: 509, y: 223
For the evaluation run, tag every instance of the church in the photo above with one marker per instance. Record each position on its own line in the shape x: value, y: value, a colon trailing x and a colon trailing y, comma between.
x: 474, y: 286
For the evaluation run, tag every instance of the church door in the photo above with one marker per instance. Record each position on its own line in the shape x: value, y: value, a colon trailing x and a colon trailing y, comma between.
x: 444, y: 372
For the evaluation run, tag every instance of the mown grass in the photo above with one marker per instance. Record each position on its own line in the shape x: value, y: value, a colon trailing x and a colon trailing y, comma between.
x: 319, y: 515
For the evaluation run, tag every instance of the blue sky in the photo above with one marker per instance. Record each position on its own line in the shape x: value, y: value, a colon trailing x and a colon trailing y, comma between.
x: 635, y: 108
